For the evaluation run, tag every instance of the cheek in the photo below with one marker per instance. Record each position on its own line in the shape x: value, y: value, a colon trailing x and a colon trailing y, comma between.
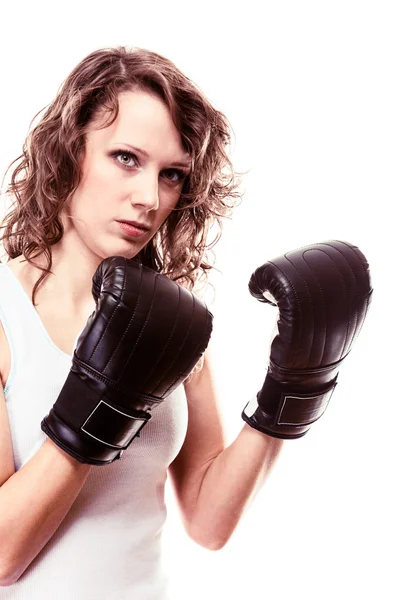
x: 164, y: 212
x: 169, y: 199
x: 99, y: 178
x: 95, y: 191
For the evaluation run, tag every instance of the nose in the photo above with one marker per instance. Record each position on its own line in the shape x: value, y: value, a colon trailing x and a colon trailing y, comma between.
x: 145, y: 190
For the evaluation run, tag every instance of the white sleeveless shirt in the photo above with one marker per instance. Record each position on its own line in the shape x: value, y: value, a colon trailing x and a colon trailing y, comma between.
x: 109, y: 543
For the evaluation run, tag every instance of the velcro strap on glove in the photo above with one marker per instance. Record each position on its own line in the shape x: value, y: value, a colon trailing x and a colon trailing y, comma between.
x: 113, y: 427
x: 284, y: 412
x: 107, y: 423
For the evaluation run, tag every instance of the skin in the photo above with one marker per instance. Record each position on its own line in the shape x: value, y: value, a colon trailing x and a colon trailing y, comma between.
x: 143, y: 188
x: 213, y: 483
x: 204, y: 474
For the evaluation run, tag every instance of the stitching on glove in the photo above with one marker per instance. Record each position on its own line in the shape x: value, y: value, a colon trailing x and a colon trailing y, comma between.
x: 108, y: 324
x: 298, y: 302
x: 200, y: 345
x: 346, y: 288
x: 312, y: 305
x: 180, y: 350
x: 359, y: 322
x: 129, y: 324
x: 165, y: 346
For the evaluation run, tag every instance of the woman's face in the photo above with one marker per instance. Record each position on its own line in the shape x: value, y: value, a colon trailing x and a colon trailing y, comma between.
x: 133, y: 170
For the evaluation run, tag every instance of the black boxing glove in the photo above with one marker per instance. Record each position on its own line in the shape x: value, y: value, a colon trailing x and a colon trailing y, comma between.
x: 143, y: 339
x: 323, y: 292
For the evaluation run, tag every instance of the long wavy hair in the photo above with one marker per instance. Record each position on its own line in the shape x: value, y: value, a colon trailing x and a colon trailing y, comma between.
x: 49, y: 169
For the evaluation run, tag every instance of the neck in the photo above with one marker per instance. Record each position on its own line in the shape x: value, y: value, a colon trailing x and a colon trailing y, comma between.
x: 69, y: 285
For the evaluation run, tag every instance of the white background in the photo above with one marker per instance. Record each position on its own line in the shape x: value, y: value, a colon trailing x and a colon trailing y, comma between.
x: 312, y: 92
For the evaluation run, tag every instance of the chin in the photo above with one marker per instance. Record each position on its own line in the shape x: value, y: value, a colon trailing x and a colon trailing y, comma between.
x: 126, y: 253
x: 120, y: 247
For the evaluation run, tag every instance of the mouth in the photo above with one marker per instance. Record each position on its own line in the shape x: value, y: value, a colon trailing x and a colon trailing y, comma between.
x: 137, y: 224
x: 132, y: 228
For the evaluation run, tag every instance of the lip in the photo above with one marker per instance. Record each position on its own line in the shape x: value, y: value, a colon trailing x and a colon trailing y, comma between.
x: 137, y: 225
x: 132, y: 230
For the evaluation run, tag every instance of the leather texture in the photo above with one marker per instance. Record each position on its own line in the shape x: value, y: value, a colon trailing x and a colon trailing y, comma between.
x: 323, y: 292
x: 142, y: 341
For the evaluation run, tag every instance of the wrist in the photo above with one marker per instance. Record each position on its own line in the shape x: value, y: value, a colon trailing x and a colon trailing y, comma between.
x: 56, y: 453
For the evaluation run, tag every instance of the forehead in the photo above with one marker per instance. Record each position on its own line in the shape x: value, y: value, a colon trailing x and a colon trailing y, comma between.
x: 143, y: 120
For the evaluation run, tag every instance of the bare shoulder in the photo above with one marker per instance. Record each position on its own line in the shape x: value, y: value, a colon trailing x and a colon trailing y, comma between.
x: 5, y: 357
x: 17, y: 265
x: 4, y: 350
x: 6, y: 452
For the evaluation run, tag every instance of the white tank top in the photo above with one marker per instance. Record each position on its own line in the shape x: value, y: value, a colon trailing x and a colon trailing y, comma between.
x: 109, y: 544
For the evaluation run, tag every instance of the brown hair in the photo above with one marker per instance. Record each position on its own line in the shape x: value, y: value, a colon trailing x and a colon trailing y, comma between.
x: 49, y: 169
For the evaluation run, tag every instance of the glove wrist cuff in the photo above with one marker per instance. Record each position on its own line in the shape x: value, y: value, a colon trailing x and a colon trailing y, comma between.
x: 286, y: 410
x: 89, y: 426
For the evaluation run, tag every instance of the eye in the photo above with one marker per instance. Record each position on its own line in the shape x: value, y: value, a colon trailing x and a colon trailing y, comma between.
x: 125, y: 158
x: 174, y: 175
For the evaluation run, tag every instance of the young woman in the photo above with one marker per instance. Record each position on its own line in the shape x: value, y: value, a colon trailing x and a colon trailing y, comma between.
x: 129, y: 160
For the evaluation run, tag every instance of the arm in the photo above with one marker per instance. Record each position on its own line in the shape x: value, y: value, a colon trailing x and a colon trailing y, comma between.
x: 323, y: 292
x: 214, y: 483
x: 33, y: 501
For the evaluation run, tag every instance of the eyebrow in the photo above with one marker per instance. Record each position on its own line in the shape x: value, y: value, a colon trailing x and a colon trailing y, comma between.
x: 185, y: 164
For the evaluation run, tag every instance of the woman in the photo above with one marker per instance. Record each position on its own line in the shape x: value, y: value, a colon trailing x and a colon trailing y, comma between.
x: 129, y: 160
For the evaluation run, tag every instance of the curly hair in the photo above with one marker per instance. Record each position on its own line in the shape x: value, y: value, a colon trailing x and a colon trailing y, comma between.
x: 49, y: 169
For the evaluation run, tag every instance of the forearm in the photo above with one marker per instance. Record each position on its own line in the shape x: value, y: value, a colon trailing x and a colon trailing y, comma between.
x: 33, y: 503
x: 229, y: 484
